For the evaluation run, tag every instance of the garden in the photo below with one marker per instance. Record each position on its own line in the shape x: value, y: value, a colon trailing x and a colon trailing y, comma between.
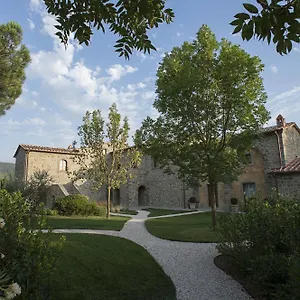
x: 39, y: 265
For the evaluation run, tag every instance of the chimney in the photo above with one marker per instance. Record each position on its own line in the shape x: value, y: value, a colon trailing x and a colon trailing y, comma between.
x: 280, y: 120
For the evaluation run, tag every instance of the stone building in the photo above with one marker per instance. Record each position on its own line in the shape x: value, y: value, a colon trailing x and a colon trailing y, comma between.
x: 274, y: 162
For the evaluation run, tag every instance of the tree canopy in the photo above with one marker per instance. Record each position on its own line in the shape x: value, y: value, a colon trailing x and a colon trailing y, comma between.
x: 130, y: 19
x: 276, y: 21
x: 210, y: 99
x: 14, y: 58
x: 105, y: 159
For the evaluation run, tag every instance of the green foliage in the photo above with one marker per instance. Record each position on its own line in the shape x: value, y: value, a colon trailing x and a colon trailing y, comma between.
x: 51, y: 212
x: 234, y: 201
x: 130, y: 20
x: 115, y: 209
x: 211, y: 98
x: 37, y: 188
x: 78, y: 205
x: 14, y: 58
x: 264, y: 242
x: 30, y: 257
x: 105, y: 163
x: 11, y: 183
x: 276, y: 21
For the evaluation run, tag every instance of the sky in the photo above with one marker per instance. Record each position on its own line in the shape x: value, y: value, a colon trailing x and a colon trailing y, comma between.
x: 62, y: 84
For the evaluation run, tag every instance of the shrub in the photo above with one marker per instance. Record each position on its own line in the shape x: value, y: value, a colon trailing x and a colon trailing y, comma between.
x: 192, y: 200
x: 51, y: 212
x: 263, y: 241
x: 234, y: 201
x: 78, y: 205
x: 37, y: 188
x: 29, y: 256
x: 115, y: 209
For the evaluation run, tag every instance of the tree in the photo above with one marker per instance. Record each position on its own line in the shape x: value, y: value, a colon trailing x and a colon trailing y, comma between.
x: 274, y: 20
x: 37, y: 188
x: 130, y: 19
x: 105, y: 164
x: 14, y: 58
x: 211, y: 98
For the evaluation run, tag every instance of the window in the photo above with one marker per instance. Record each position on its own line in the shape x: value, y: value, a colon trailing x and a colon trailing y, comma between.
x: 63, y: 165
x: 249, y: 158
x: 249, y: 189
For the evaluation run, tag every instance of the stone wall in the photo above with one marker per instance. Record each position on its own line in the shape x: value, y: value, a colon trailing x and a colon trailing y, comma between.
x: 38, y: 161
x: 160, y: 189
x: 289, y: 185
x: 291, y: 141
x: 20, y: 165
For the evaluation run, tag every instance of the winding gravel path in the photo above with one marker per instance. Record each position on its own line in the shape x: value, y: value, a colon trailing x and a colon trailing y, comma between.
x: 190, y: 265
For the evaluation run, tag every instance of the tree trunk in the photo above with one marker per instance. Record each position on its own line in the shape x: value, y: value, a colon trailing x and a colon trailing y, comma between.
x: 108, y: 203
x: 212, y: 201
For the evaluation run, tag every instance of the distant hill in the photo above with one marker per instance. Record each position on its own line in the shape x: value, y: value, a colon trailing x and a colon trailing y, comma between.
x: 6, y: 168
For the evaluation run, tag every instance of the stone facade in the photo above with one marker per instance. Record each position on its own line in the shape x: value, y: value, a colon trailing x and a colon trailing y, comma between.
x: 150, y: 186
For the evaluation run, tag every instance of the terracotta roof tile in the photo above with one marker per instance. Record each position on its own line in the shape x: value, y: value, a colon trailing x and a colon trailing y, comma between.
x: 275, y: 127
x: 291, y: 167
x: 46, y: 149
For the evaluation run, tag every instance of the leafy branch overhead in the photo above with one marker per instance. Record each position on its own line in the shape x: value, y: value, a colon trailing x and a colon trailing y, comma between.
x: 129, y: 19
x: 275, y: 20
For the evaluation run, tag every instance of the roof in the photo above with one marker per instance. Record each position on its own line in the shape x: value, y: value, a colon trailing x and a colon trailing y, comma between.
x: 291, y: 167
x: 34, y: 148
x: 275, y: 128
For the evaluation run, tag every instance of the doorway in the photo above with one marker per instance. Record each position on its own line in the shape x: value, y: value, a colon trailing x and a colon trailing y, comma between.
x: 142, y: 196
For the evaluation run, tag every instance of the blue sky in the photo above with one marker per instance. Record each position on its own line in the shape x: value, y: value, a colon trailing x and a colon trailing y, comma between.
x: 62, y: 84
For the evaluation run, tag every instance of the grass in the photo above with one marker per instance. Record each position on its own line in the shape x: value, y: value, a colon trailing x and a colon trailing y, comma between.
x: 101, y: 223
x: 156, y: 212
x: 189, y: 228
x: 111, y: 268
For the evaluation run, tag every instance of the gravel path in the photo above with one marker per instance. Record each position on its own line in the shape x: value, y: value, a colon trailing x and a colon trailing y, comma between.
x: 190, y: 265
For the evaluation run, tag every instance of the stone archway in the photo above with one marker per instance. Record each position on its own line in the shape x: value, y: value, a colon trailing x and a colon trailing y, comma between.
x: 142, y: 196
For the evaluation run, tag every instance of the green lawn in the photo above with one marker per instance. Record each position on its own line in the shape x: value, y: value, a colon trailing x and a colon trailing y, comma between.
x: 102, y: 267
x: 58, y: 222
x: 189, y: 228
x: 155, y: 212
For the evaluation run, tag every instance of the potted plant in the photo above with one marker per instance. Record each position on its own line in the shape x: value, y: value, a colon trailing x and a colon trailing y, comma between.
x: 234, y: 204
x: 192, y: 202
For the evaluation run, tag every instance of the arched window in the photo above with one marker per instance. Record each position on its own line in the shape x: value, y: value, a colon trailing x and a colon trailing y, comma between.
x: 63, y: 165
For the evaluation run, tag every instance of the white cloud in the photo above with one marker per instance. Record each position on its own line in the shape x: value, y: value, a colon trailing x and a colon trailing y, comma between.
x: 75, y: 87
x: 35, y: 5
x: 274, y: 69
x: 30, y: 24
x: 296, y: 49
x: 286, y: 104
x: 117, y: 71
x: 34, y: 121
x: 179, y: 34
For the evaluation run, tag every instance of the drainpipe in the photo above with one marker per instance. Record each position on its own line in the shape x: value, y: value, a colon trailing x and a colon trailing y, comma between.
x: 279, y: 149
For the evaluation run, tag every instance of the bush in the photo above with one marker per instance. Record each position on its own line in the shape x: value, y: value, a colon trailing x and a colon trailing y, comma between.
x: 234, y: 201
x: 115, y: 209
x: 51, y: 212
x: 192, y: 200
x: 78, y: 205
x: 264, y: 242
x: 37, y: 188
x: 29, y: 256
